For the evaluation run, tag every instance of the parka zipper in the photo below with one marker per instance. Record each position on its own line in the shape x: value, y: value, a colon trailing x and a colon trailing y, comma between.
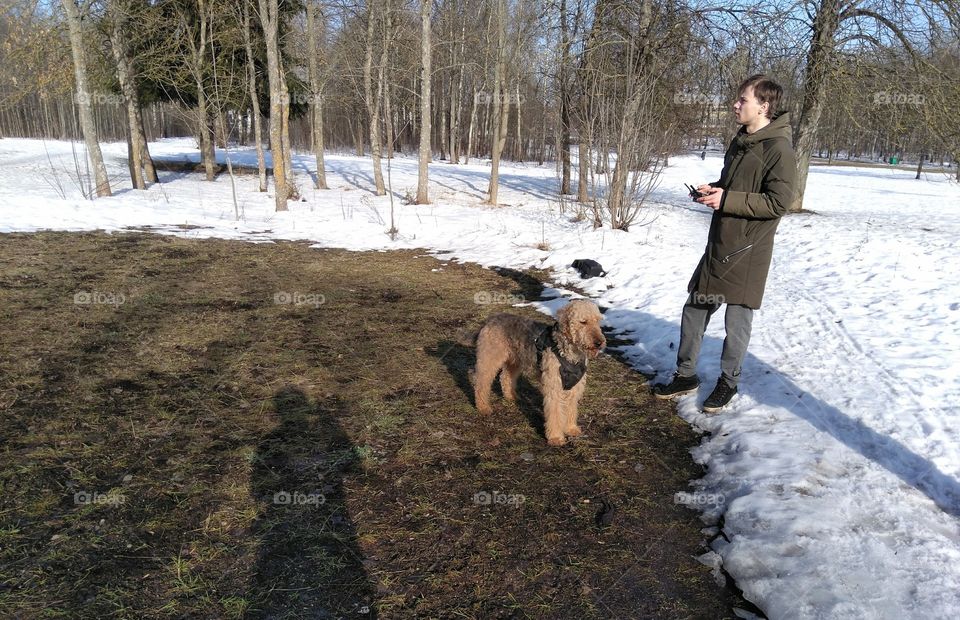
x: 726, y: 259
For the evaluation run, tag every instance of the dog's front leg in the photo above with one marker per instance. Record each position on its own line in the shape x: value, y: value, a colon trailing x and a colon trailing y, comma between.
x: 572, y: 409
x: 554, y: 414
x: 554, y: 405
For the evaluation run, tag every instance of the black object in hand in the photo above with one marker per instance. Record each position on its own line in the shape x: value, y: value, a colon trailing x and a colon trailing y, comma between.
x: 694, y: 193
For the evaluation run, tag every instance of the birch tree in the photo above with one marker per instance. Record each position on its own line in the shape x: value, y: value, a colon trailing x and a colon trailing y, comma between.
x: 83, y: 99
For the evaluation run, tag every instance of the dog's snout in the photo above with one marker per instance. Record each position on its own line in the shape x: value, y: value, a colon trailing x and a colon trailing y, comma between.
x: 600, y: 343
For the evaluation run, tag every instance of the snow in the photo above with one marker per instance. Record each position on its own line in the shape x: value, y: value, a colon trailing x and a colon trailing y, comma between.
x: 836, y: 470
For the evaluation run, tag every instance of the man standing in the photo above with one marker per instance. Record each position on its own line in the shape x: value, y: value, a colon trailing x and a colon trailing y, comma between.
x: 755, y: 189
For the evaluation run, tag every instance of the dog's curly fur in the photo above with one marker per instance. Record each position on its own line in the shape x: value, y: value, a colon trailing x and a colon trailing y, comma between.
x: 506, y: 344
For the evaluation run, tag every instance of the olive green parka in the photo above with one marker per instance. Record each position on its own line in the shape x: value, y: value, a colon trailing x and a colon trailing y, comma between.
x: 759, y: 180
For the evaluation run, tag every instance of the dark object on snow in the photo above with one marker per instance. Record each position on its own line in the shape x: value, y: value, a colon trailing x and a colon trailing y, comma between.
x: 588, y: 268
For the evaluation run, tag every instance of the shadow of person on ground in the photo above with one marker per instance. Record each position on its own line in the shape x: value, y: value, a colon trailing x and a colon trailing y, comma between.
x: 309, y: 564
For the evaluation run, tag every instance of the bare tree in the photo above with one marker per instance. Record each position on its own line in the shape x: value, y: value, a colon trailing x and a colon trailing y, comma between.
x: 499, y: 111
x: 141, y: 164
x: 316, y: 89
x: 425, y: 152
x: 373, y: 101
x: 826, y: 26
x: 270, y: 19
x: 456, y: 99
x: 564, y: 87
x: 197, y: 38
x: 254, y: 99
x: 72, y: 12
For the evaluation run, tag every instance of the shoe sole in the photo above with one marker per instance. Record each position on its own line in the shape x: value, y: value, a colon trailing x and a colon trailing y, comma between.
x: 716, y: 409
x: 675, y: 394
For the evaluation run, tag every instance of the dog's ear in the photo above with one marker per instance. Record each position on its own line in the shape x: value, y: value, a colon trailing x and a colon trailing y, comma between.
x: 563, y: 317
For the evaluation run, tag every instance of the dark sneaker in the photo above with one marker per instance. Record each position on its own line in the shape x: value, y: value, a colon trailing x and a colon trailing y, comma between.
x: 718, y: 399
x: 677, y: 386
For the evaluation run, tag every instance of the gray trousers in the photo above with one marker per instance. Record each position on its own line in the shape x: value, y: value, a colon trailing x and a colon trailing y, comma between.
x: 738, y: 322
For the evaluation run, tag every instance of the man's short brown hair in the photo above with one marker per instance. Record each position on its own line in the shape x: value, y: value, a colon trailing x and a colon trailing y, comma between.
x: 765, y: 90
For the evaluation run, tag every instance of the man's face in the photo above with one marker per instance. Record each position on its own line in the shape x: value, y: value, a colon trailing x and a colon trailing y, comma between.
x: 747, y: 109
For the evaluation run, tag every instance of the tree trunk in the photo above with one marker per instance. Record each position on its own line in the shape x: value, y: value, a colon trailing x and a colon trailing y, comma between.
x: 425, y: 124
x: 498, y: 109
x: 220, y: 130
x: 583, y: 170
x: 817, y: 70
x: 456, y: 103
x: 385, y: 78
x: 373, y: 104
x: 128, y: 89
x: 207, y: 153
x: 204, y: 129
x: 518, y: 150
x: 484, y: 142
x: 473, y: 126
x: 87, y: 124
x: 358, y: 138
x: 149, y: 169
x: 443, y: 135
x: 316, y: 91
x: 292, y: 192
x: 564, y: 100
x: 269, y: 17
x: 254, y: 100
x: 920, y: 164
x: 388, y: 116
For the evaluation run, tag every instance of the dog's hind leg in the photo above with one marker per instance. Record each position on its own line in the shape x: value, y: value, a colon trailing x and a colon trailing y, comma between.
x: 490, y: 358
x: 508, y: 380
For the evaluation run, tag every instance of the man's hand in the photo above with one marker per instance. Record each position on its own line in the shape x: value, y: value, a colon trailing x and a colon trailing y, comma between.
x: 713, y: 196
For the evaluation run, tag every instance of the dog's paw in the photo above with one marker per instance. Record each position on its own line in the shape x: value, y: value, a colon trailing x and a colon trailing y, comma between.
x: 556, y: 441
x: 574, y: 431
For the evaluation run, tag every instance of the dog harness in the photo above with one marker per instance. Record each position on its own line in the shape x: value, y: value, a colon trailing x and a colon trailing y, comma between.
x: 570, y: 372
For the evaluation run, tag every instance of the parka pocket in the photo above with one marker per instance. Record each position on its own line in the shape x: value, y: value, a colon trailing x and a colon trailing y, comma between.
x: 726, y: 259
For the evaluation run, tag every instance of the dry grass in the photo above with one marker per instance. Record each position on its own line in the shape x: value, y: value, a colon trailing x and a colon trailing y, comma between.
x: 189, y: 406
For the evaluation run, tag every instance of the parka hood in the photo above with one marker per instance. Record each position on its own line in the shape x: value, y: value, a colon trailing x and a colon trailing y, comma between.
x: 779, y: 127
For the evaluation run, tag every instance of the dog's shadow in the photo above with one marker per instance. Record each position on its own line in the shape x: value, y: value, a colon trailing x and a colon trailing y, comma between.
x: 460, y: 360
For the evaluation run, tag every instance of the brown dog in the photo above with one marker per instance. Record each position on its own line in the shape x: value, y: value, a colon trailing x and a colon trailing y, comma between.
x: 510, y: 344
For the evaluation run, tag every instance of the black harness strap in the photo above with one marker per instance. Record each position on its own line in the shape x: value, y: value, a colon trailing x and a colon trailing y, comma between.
x: 570, y: 372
